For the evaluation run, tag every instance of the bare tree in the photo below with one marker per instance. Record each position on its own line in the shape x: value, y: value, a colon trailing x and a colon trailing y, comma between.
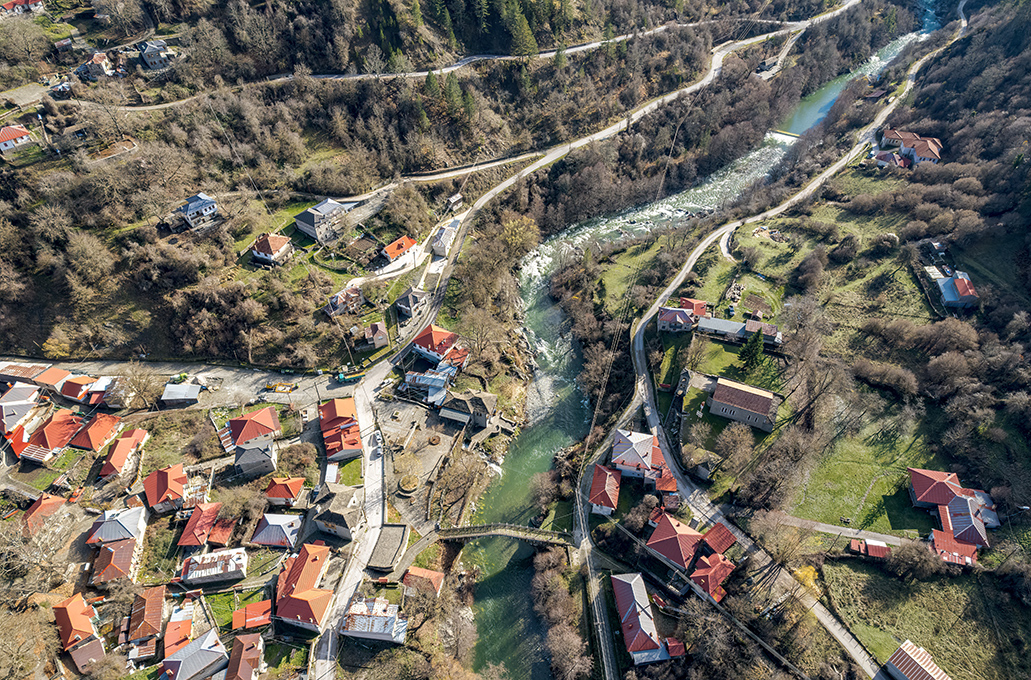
x: 544, y: 488
x: 26, y: 638
x: 734, y: 446
x: 139, y: 386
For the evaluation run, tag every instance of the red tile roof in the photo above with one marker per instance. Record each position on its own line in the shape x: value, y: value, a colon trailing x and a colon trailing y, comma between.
x: 114, y: 561
x: 222, y: 532
x: 270, y: 244
x: 73, y: 620
x: 399, y: 247
x: 253, y: 615
x: 435, y: 339
x: 675, y: 647
x: 666, y: 481
x: 98, y: 433
x: 57, y: 431
x: 964, y: 287
x: 147, y: 613
x: 605, y: 487
x: 201, y: 522
x: 51, y: 377
x: 719, y: 538
x: 74, y: 387
x: 245, y: 657
x: 915, y: 663
x: 297, y: 595
x: 710, y: 573
x: 339, y: 425
x: 254, y: 424
x: 11, y: 132
x: 933, y: 486
x: 285, y: 487
x: 634, y: 609
x: 878, y: 551
x: 43, y: 507
x: 744, y: 397
x: 177, y: 635
x: 951, y: 550
x: 165, y: 484
x: 424, y: 579
x: 696, y: 307
x: 674, y: 540
x: 119, y: 453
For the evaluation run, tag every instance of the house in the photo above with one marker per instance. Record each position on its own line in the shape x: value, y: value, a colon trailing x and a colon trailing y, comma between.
x: 198, y: 209
x: 98, y: 433
x: 341, y: 433
x: 426, y: 580
x: 895, y: 138
x: 41, y: 509
x: 411, y: 301
x: 202, y: 658
x: 432, y: 384
x: 958, y: 291
x: 165, y: 488
x: 24, y: 372
x: 472, y: 407
x: 604, y: 495
x: 710, y: 573
x: 222, y: 565
x: 13, y: 7
x: 51, y: 437
x: 322, y: 221
x: 349, y: 300
x: 875, y: 95
x: 179, y: 630
x: 115, y: 560
x: 442, y: 240
x: 892, y: 159
x: 284, y: 490
x: 674, y: 540
x: 743, y: 403
x: 17, y: 405
x: 922, y: 150
x: 255, y: 459
x: 674, y: 320
x: 278, y: 531
x: 637, y: 620
x: 254, y: 615
x: 156, y: 53
x: 125, y: 449
x: 76, y: 621
x: 771, y: 334
x: 636, y: 454
x: 719, y: 538
x: 87, y: 654
x: 454, y: 202
x: 245, y: 661
x: 118, y: 525
x: 299, y: 600
x: 77, y: 387
x: 183, y: 394
x: 339, y: 509
x: 434, y: 343
x: 201, y: 521
x: 376, y: 335
x: 97, y: 392
x: 910, y: 662
x: 697, y: 308
x: 146, y: 621
x: 875, y: 549
x: 97, y: 66
x: 374, y: 619
x: 260, y: 425
x: 271, y: 249
x: 392, y: 251
x: 12, y: 136
x: 965, y: 514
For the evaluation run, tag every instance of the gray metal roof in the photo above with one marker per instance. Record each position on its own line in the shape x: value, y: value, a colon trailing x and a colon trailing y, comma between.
x: 280, y: 531
x: 182, y: 392
x: 339, y: 504
x: 203, y: 657
x: 714, y: 325
x: 117, y: 525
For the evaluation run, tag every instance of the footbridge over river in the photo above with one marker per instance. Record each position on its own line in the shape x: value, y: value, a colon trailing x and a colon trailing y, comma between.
x: 536, y: 537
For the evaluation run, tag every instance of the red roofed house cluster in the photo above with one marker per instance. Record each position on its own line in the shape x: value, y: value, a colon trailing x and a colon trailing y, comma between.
x: 965, y: 514
x: 699, y: 554
x: 636, y: 454
x: 912, y: 146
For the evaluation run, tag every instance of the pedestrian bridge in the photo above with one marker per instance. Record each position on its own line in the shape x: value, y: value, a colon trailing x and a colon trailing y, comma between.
x: 526, y: 534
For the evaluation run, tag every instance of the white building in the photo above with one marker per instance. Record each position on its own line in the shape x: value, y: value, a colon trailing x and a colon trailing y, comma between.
x: 12, y: 136
x: 224, y: 565
x: 197, y: 208
x: 375, y: 619
x: 444, y: 238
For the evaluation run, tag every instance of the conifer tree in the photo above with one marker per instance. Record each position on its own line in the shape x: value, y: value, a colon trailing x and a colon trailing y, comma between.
x: 431, y: 86
x: 417, y: 13
x: 523, y: 42
x: 751, y: 354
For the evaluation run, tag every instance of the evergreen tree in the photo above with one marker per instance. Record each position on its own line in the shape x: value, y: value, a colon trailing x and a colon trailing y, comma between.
x: 417, y: 13
x: 560, y: 58
x: 751, y: 354
x: 431, y: 87
x: 482, y: 10
x: 523, y: 42
x: 469, y: 104
x: 452, y: 93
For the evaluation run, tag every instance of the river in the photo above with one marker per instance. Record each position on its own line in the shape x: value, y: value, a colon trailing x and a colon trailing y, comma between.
x: 558, y: 414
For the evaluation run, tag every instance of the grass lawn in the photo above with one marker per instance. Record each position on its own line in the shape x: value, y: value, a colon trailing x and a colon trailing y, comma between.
x: 260, y: 561
x: 351, y: 472
x: 222, y: 607
x: 992, y: 259
x: 972, y: 630
x: 618, y: 273
x: 170, y: 433
x: 150, y: 673
x: 560, y: 517
x: 429, y: 558
x: 160, y: 552
x: 721, y: 358
x: 284, y: 660
x: 864, y: 478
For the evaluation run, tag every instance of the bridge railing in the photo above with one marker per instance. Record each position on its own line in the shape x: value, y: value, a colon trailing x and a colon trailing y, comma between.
x: 503, y: 528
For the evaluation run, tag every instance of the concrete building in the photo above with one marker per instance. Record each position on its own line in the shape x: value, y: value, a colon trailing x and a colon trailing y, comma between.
x: 637, y: 620
x: 375, y: 619
x: 299, y: 600
x: 198, y: 209
x: 339, y: 509
x: 223, y: 565
x: 604, y: 496
x: 472, y: 407
x: 323, y: 222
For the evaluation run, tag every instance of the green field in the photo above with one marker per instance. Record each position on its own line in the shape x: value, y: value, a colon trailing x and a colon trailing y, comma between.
x: 560, y: 517
x: 284, y: 660
x: 222, y: 606
x: 973, y: 631
x: 864, y: 478
x: 993, y: 260
x: 619, y: 274
x: 351, y: 472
